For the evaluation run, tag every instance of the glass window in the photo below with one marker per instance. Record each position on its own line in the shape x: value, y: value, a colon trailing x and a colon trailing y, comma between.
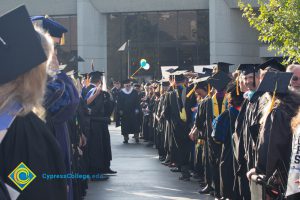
x: 187, y: 25
x: 148, y: 27
x: 162, y: 38
x: 167, y: 26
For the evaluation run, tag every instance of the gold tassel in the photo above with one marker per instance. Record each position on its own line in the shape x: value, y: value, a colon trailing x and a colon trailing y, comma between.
x: 182, y: 115
x: 173, y: 83
x: 208, y: 89
x: 273, y: 98
x: 62, y: 39
x: 237, y: 87
x: 92, y: 65
x: 87, y: 80
x: 192, y: 91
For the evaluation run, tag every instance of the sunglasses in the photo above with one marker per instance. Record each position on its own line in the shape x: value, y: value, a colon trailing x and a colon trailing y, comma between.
x: 295, y: 78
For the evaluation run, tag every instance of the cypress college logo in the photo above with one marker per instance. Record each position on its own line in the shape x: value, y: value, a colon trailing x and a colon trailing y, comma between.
x: 22, y: 176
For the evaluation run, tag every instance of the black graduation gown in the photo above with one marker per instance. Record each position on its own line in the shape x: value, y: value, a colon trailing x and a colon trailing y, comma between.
x: 212, y: 149
x: 99, y: 146
x: 150, y: 124
x: 129, y: 105
x: 79, y: 164
x: 86, y: 90
x: 275, y: 141
x: 181, y: 149
x: 225, y: 128
x: 140, y: 115
x: 250, y: 131
x: 3, y: 191
x: 241, y: 183
x: 161, y: 126
x: 28, y: 140
x: 166, y: 115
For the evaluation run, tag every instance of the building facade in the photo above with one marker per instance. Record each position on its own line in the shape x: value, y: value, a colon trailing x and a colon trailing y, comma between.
x: 164, y: 32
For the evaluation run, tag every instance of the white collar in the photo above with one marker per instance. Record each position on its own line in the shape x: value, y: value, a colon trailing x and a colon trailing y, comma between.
x: 127, y: 92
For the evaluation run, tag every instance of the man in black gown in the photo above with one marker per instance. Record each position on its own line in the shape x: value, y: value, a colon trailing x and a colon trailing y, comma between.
x: 99, y: 148
x: 128, y: 109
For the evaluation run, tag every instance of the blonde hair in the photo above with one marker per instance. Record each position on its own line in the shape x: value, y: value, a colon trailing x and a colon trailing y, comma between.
x: 291, y: 67
x: 28, y: 89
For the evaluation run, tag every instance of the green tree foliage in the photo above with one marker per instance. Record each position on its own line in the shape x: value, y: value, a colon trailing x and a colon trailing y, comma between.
x: 278, y: 24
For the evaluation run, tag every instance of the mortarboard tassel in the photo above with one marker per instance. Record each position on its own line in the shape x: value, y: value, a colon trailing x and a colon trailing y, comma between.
x: 87, y: 80
x: 208, y: 89
x: 62, y: 39
x: 237, y: 87
x: 273, y: 98
x: 192, y: 91
x: 173, y: 83
x: 92, y: 66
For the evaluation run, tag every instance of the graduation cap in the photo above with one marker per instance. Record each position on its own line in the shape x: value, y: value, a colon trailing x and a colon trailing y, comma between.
x: 208, y: 71
x: 54, y: 28
x: 178, y: 75
x: 95, y: 75
x: 62, y: 67
x: 85, y: 75
x: 164, y: 82
x: 126, y: 81
x: 223, y: 66
x: 136, y: 85
x: 219, y: 80
x: 246, y: 69
x: 18, y: 54
x: 179, y: 78
x: 171, y: 70
x: 76, y: 59
x: 199, y: 83
x: 276, y: 82
x: 166, y: 70
x: 202, y: 75
x: 234, y: 90
x: 273, y: 63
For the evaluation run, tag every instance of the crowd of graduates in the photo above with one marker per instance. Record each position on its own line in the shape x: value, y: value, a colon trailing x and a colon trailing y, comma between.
x: 237, y: 132
x: 222, y: 127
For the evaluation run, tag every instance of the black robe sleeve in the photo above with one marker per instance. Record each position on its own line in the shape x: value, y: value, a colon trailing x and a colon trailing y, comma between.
x: 201, y: 117
x: 276, y: 141
x: 29, y: 141
x: 3, y: 191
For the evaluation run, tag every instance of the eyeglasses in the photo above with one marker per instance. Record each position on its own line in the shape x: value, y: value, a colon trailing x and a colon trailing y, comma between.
x: 295, y: 78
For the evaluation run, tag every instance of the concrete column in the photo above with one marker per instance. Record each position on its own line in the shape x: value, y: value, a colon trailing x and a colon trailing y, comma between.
x: 231, y: 38
x: 92, y: 42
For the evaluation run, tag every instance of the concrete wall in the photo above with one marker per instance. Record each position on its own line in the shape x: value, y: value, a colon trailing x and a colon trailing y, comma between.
x: 110, y: 6
x: 231, y: 38
x: 41, y: 7
x: 92, y: 42
x: 234, y: 4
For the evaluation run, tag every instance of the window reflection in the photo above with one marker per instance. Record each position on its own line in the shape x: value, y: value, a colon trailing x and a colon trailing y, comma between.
x: 162, y: 38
